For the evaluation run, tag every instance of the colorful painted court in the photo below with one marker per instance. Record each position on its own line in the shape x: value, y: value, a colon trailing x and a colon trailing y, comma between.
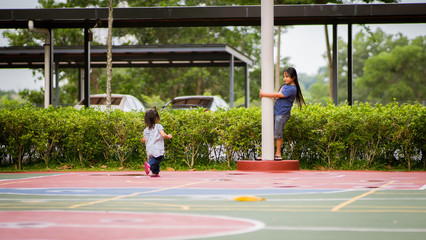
x: 214, y: 205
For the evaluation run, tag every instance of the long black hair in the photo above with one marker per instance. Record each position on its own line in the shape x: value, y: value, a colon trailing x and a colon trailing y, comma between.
x: 299, y: 96
x: 151, y: 116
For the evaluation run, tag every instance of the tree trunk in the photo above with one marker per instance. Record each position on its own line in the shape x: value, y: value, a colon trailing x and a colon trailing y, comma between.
x: 330, y: 62
x: 199, y: 86
x: 109, y: 57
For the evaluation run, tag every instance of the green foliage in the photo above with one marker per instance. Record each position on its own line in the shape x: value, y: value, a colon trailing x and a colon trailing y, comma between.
x: 81, y: 137
x: 191, y: 133
x: 398, y: 74
x: 9, y: 99
x: 336, y: 137
x: 358, y: 136
x: 153, y: 101
x: 32, y: 96
x: 16, y: 132
x: 48, y: 128
x: 122, y: 134
x: 385, y: 67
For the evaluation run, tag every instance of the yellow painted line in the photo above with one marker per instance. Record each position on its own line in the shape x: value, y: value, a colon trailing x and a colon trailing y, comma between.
x: 390, y: 207
x: 14, y: 181
x: 183, y: 207
x: 132, y: 195
x: 340, y: 206
x: 385, y: 211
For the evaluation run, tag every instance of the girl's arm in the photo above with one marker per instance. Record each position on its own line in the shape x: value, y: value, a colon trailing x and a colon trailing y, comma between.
x: 164, y: 135
x: 270, y: 95
x: 143, y: 139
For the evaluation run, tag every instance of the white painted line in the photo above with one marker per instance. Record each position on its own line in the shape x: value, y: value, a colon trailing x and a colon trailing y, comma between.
x: 26, y: 178
x: 346, y: 229
x: 423, y: 187
x: 343, y: 199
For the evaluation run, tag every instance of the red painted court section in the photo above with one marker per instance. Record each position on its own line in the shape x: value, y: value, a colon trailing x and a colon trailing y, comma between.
x: 227, y: 180
x: 114, y: 225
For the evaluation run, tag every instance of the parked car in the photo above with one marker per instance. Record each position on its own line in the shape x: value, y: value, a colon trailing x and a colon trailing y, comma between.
x: 211, y: 103
x: 122, y: 102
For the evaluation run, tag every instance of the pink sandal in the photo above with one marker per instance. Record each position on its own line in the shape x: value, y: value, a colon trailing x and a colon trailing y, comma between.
x: 147, y: 168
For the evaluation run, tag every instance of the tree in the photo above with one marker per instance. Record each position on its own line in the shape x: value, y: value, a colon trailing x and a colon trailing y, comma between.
x: 109, y: 55
x: 327, y: 40
x: 367, y: 44
x: 398, y: 74
x: 319, y: 90
x: 63, y: 37
x: 33, y: 96
x: 166, y: 83
x: 329, y: 52
x: 385, y: 67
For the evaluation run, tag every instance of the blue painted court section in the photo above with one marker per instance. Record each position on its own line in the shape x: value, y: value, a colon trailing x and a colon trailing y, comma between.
x: 14, y: 176
x: 157, y: 191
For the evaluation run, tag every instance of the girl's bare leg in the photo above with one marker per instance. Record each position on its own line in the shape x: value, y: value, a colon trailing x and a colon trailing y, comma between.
x: 279, y: 144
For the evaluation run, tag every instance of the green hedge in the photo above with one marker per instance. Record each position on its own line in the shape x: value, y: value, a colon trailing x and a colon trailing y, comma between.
x: 342, y: 137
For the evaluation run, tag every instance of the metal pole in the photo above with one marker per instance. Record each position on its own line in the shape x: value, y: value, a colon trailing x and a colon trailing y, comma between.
x: 335, y: 65
x: 267, y: 77
x: 231, y: 82
x: 80, y: 84
x: 247, y: 86
x: 50, y: 67
x: 86, y: 68
x: 56, y: 83
x: 350, y: 66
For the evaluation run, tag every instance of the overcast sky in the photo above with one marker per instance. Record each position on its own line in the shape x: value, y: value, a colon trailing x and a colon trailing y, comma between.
x: 304, y: 45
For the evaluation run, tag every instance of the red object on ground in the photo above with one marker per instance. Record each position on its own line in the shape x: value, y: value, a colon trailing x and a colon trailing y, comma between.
x: 268, y: 165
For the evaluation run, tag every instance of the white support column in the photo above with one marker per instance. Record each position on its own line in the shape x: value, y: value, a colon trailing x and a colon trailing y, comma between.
x: 267, y: 77
x: 47, y: 80
x: 47, y: 61
x: 231, y: 81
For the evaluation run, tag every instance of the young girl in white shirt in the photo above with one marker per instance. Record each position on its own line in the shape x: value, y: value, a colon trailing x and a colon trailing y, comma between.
x: 153, y: 137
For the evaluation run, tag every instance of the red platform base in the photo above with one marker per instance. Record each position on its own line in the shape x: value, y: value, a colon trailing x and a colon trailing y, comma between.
x: 268, y: 165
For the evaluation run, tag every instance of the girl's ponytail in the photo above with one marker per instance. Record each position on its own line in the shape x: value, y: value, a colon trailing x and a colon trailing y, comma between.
x: 299, y: 96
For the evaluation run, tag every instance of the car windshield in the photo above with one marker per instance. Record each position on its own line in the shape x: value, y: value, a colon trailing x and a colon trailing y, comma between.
x: 191, y: 102
x: 102, y: 101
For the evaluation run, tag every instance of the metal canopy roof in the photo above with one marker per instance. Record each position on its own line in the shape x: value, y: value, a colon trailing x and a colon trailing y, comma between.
x: 214, y: 16
x: 196, y: 55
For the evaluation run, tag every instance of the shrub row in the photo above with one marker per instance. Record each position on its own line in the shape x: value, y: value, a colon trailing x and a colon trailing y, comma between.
x: 342, y: 137
x: 359, y: 136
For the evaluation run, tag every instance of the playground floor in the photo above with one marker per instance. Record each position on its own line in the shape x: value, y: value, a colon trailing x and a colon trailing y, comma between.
x: 214, y: 205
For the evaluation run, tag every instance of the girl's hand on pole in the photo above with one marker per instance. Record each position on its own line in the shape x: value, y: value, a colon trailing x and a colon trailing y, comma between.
x: 260, y: 93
